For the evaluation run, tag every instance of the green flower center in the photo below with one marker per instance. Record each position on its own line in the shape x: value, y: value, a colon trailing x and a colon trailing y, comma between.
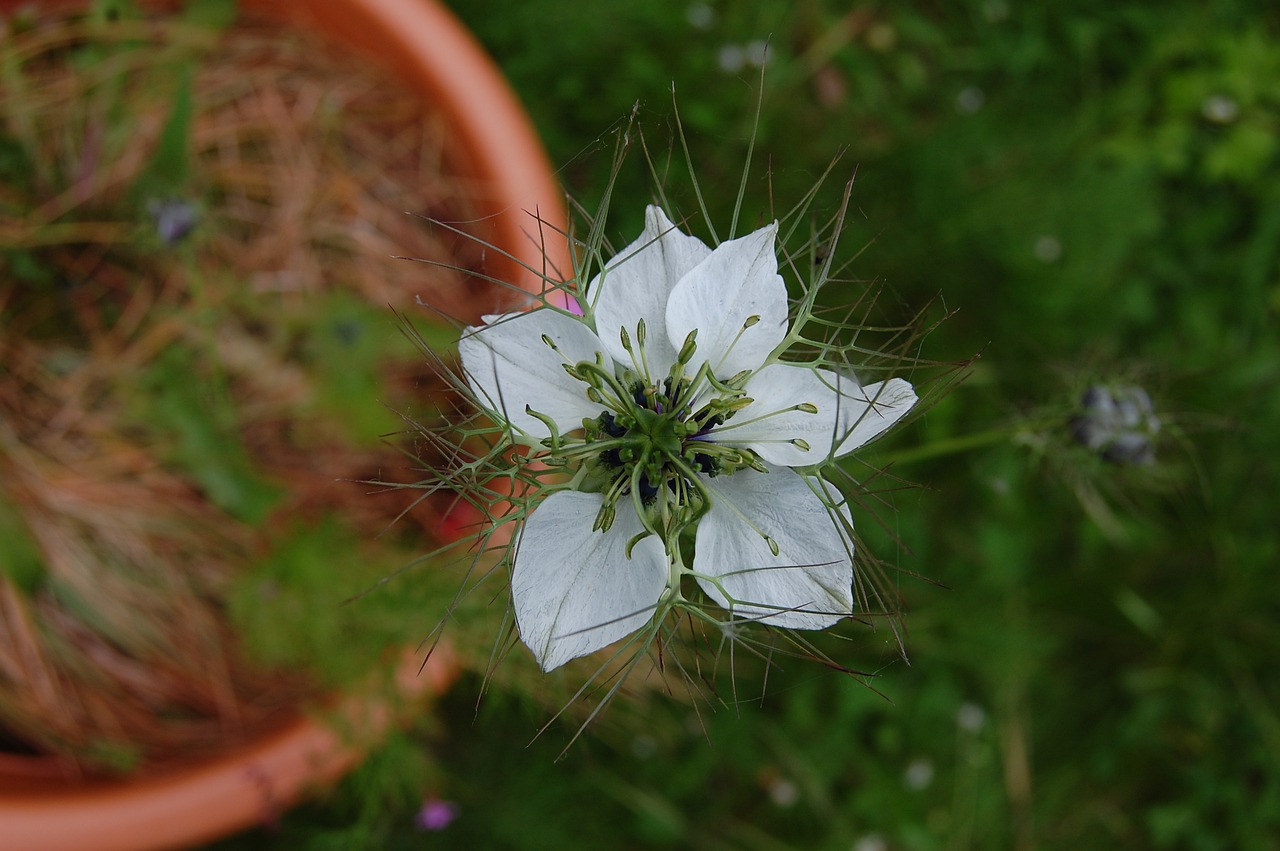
x: 652, y: 441
x: 650, y: 444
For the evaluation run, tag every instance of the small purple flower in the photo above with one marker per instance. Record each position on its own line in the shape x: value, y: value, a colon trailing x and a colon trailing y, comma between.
x: 435, y: 814
x: 174, y: 218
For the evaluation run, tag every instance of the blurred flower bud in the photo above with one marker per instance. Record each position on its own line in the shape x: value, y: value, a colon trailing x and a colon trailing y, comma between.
x: 1118, y: 423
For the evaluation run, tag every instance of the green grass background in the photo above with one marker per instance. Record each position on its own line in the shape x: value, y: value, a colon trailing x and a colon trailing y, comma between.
x: 1094, y: 189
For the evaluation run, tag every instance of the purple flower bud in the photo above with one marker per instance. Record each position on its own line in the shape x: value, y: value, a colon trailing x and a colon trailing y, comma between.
x: 1117, y: 423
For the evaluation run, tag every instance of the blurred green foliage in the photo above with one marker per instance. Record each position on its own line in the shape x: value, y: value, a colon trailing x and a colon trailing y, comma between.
x: 187, y: 404
x: 292, y: 607
x: 1094, y: 188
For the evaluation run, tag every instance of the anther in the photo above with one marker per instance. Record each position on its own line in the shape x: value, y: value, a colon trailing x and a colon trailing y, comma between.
x: 690, y: 346
x: 605, y: 517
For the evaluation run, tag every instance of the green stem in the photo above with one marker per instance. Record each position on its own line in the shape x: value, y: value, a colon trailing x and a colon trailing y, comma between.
x: 963, y: 443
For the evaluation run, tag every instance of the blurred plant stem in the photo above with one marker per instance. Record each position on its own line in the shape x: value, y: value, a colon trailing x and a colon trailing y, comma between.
x: 968, y: 442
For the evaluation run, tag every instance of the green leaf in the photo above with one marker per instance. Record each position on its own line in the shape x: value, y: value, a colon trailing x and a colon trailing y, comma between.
x: 167, y: 173
x: 20, y: 558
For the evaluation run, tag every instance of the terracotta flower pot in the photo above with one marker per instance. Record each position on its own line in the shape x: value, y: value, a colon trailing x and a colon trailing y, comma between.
x: 497, y: 150
x: 42, y: 810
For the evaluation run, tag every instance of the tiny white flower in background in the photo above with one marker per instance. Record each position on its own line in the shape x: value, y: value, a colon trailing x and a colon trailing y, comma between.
x: 731, y: 58
x: 1047, y: 248
x: 670, y: 409
x: 783, y: 792
x: 1220, y: 109
x: 919, y: 774
x: 871, y: 842
x: 756, y: 52
x: 971, y: 718
x: 700, y: 16
x: 969, y: 100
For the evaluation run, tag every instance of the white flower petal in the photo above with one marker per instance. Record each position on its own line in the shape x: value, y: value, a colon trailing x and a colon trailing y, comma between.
x: 635, y: 286
x: 738, y: 280
x: 848, y: 415
x: 808, y: 585
x: 509, y: 367
x: 868, y: 412
x: 575, y: 591
x: 768, y: 425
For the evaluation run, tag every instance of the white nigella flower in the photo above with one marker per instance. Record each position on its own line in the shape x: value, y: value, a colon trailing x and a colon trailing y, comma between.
x: 677, y: 422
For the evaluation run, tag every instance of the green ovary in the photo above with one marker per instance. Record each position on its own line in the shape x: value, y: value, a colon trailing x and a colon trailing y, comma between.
x: 663, y: 433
